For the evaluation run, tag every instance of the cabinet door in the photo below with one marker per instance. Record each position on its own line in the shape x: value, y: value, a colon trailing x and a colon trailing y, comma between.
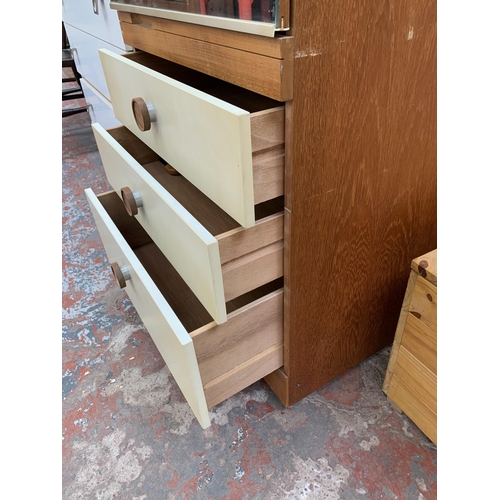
x: 95, y: 18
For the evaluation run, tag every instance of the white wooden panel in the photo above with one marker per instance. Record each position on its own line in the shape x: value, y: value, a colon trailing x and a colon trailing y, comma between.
x: 86, y: 55
x: 206, y: 139
x: 104, y: 25
x: 189, y: 247
x: 171, y: 338
x: 100, y: 109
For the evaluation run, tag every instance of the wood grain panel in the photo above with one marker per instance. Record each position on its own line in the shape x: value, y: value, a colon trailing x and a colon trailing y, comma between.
x: 265, y: 75
x: 421, y: 341
x: 415, y: 409
x: 252, y: 270
x: 418, y: 378
x: 424, y: 303
x: 237, y: 242
x: 360, y: 182
x: 248, y: 332
x: 244, y: 375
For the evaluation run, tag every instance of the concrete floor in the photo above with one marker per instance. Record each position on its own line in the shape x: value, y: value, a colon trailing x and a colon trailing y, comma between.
x: 128, y: 433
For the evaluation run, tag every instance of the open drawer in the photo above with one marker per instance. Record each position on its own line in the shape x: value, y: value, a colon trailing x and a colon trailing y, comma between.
x: 217, y: 258
x: 209, y: 362
x: 227, y: 141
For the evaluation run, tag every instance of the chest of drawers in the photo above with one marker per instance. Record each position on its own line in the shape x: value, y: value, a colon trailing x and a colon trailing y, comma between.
x: 411, y: 378
x: 307, y: 180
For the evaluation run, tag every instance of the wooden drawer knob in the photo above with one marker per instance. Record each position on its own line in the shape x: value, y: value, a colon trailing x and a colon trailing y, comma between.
x: 131, y: 200
x: 144, y: 113
x: 121, y: 273
x: 171, y: 170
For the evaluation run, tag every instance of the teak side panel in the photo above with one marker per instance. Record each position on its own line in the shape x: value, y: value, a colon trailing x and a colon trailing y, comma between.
x: 360, y: 182
x: 265, y: 75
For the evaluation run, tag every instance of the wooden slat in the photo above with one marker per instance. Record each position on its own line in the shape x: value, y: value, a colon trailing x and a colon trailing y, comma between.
x: 242, y: 376
x: 426, y: 266
x: 417, y: 411
x: 249, y: 331
x: 268, y: 174
x: 417, y: 377
x: 421, y: 341
x: 268, y: 128
x: 264, y: 75
x: 252, y: 270
x: 424, y: 303
x: 240, y: 241
x: 277, y: 48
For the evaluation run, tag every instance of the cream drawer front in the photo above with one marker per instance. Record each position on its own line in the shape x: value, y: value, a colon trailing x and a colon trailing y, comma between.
x: 218, y: 262
x: 189, y: 247
x: 171, y: 338
x: 209, y: 362
x: 206, y: 139
x: 100, y: 109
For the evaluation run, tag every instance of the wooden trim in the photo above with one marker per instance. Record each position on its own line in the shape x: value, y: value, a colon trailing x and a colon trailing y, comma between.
x: 278, y: 382
x: 269, y: 76
x: 277, y: 48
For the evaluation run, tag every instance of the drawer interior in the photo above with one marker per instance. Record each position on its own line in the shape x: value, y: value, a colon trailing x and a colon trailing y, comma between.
x: 182, y: 300
x: 208, y: 213
x: 237, y: 96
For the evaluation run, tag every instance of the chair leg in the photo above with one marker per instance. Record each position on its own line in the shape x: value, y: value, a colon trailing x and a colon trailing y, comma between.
x: 73, y: 111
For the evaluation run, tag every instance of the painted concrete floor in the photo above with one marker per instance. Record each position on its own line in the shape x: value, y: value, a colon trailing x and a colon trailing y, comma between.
x: 128, y: 433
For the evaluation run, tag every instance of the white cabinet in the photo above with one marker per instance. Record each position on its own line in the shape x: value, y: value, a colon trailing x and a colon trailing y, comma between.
x: 91, y: 25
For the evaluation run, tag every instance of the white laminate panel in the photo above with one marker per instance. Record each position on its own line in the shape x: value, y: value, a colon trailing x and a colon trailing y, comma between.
x: 104, y: 25
x: 171, y: 338
x: 188, y: 246
x: 100, y: 108
x: 86, y: 54
x: 206, y: 139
